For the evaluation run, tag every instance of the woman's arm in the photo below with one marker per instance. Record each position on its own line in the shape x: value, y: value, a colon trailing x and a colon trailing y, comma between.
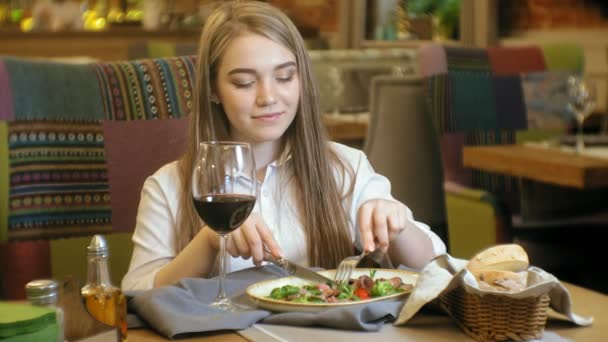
x: 385, y: 222
x: 196, y: 260
x: 155, y: 262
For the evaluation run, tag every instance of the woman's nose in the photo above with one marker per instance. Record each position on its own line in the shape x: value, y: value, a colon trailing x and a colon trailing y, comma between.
x: 266, y: 94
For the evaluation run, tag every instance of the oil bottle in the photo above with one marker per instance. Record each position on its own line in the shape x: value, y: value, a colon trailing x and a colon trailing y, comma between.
x: 104, y: 301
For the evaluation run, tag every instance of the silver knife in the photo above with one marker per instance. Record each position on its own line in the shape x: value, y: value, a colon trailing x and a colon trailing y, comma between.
x: 299, y: 271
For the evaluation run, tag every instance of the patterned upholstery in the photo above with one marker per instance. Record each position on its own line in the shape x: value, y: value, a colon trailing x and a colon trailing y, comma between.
x: 54, y: 187
x: 468, y: 109
x: 523, y: 101
x: 58, y: 180
x: 146, y: 89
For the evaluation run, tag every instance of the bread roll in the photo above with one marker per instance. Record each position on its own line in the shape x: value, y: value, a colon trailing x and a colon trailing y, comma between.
x: 509, y: 257
x: 502, y: 280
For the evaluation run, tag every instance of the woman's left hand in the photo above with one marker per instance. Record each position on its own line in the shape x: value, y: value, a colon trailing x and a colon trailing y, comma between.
x: 380, y: 221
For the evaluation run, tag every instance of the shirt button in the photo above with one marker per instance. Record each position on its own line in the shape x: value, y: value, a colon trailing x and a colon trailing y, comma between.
x: 265, y: 193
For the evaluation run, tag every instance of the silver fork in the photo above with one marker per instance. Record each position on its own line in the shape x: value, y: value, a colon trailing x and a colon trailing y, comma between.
x: 346, y: 267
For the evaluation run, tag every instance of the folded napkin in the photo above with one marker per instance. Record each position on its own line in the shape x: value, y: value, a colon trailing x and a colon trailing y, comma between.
x: 445, y: 273
x: 184, y: 307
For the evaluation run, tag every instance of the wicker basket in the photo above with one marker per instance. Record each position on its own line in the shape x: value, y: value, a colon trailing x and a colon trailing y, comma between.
x: 495, y: 317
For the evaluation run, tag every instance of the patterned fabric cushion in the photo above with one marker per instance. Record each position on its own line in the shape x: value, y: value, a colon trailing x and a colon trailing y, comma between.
x: 58, y: 180
x: 53, y: 91
x: 147, y: 89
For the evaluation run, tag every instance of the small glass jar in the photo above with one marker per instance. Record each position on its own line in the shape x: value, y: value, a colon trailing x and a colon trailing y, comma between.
x: 45, y: 292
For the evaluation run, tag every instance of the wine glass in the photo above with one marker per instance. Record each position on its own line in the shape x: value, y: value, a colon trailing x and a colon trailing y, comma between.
x: 224, y: 190
x: 581, y: 101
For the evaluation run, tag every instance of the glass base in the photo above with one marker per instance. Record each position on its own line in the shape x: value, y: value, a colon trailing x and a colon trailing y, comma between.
x: 224, y: 304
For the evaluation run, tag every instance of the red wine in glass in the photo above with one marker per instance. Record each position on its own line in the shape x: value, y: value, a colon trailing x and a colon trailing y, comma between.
x: 224, y: 212
x: 224, y: 189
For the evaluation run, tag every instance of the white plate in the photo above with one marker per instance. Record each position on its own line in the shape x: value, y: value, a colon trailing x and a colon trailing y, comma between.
x: 259, y: 292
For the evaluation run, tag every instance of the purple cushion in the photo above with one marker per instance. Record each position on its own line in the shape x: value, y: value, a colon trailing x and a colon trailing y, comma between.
x: 134, y: 151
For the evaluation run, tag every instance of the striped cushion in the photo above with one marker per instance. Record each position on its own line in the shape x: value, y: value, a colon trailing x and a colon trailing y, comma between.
x: 58, y: 180
x: 147, y: 89
x: 496, y: 183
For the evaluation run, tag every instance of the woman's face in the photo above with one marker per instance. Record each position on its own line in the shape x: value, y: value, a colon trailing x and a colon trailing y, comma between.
x: 259, y: 88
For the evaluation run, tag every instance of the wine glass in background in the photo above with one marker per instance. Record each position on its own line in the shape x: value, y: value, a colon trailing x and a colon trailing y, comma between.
x: 581, y: 101
x: 224, y: 190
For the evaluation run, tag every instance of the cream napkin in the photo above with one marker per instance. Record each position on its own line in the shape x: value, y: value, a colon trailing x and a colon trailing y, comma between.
x: 445, y: 273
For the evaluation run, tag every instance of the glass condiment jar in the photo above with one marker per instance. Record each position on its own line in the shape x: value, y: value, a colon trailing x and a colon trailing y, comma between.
x: 104, y: 301
x: 45, y: 292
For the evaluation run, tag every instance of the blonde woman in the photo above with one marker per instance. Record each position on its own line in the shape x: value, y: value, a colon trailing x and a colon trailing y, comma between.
x: 318, y: 200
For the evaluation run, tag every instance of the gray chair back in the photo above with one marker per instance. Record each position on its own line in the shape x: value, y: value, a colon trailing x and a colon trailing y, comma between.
x: 402, y: 145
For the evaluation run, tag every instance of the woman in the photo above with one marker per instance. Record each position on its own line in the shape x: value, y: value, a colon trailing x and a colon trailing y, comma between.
x: 318, y: 200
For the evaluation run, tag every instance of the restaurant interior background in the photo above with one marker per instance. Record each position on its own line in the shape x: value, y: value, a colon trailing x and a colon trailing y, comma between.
x: 94, y: 31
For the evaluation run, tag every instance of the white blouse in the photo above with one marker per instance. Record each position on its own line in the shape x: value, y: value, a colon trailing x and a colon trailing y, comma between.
x: 155, y: 229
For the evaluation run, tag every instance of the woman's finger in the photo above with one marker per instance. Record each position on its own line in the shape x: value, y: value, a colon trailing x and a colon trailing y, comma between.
x: 268, y: 241
x: 381, y: 226
x: 239, y: 237
x: 364, y: 217
x: 254, y: 242
x: 394, y: 223
x: 231, y: 246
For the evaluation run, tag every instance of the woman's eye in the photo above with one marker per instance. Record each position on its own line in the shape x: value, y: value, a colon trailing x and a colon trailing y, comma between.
x: 286, y: 78
x: 243, y: 84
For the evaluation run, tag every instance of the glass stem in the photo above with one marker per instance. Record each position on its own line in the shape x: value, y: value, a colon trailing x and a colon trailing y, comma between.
x: 580, y: 143
x: 221, y: 295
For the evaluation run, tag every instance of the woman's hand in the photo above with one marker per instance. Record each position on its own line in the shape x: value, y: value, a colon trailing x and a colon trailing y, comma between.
x: 380, y: 221
x: 251, y: 239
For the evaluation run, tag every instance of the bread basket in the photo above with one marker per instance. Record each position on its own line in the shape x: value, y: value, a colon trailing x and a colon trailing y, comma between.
x: 493, y: 317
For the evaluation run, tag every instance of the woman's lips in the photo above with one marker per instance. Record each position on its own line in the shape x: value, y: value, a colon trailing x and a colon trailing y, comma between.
x: 268, y: 117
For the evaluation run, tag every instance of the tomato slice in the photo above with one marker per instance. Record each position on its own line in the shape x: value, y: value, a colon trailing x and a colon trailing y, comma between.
x: 362, y: 293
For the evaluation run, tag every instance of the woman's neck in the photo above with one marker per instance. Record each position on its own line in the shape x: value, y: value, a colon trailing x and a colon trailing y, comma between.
x: 264, y: 154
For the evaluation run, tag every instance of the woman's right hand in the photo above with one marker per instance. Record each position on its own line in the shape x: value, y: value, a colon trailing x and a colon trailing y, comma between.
x: 251, y: 239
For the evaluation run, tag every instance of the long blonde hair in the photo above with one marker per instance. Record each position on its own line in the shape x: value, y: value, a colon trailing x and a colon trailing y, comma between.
x: 319, y: 195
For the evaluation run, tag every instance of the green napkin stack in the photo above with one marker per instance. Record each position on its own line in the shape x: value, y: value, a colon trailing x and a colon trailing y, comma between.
x: 25, y: 322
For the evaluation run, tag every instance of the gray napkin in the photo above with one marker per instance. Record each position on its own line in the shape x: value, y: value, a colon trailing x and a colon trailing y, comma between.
x: 184, y: 308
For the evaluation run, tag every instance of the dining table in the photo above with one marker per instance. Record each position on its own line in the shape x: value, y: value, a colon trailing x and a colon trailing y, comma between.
x: 347, y: 128
x: 547, y: 164
x: 426, y: 325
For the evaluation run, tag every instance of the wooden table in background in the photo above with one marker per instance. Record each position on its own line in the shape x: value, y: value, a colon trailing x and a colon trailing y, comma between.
x: 428, y: 327
x: 346, y: 128
x: 547, y: 165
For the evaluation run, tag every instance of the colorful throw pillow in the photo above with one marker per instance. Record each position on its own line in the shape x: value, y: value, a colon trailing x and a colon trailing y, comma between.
x: 58, y: 183
x: 147, y: 89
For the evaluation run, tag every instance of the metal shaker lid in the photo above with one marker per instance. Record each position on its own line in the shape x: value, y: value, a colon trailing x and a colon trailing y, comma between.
x: 98, y: 246
x: 42, y: 290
